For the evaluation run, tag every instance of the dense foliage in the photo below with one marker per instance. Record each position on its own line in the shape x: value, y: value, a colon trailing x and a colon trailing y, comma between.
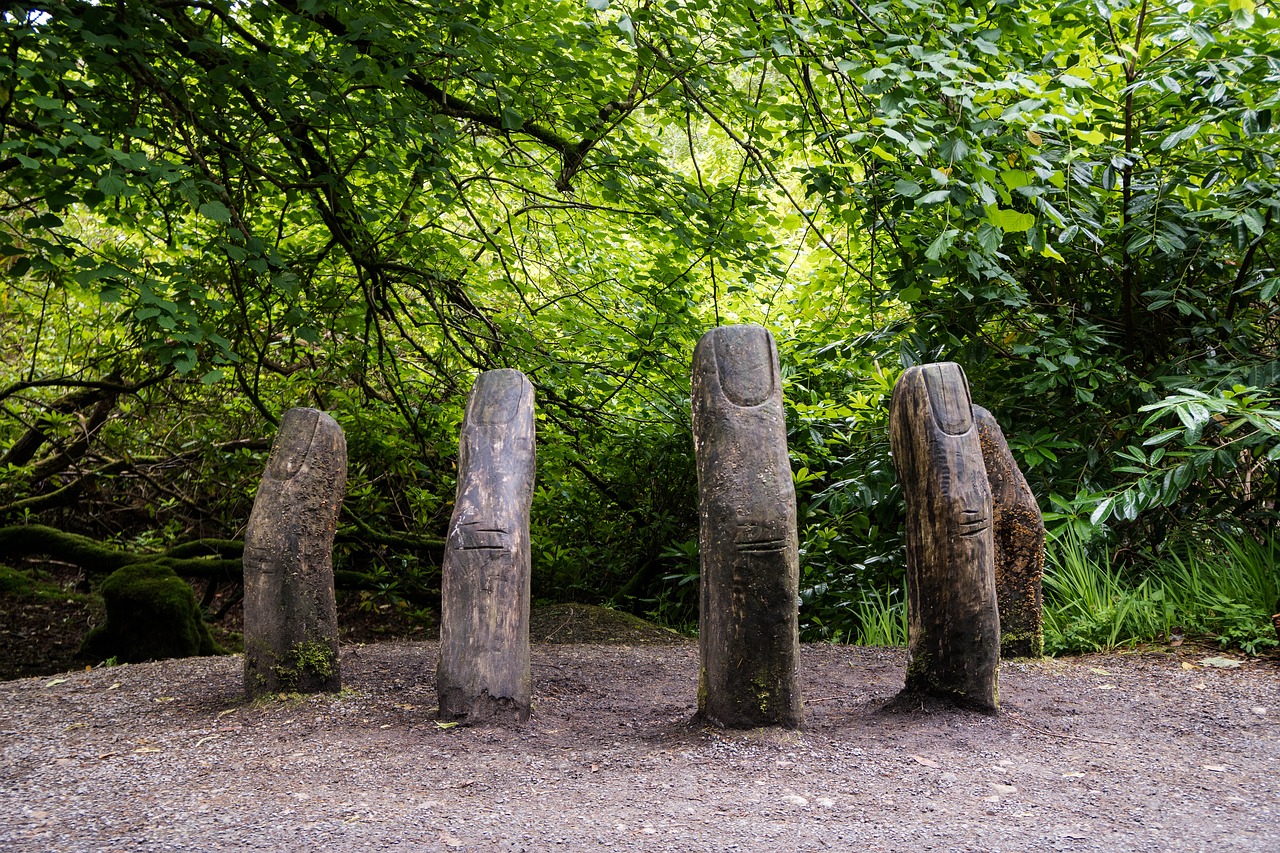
x: 213, y: 211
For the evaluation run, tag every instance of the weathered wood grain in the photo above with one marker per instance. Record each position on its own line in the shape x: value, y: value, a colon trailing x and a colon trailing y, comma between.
x: 954, y: 626
x: 748, y: 635
x: 290, y: 618
x: 1018, y: 531
x: 484, y: 672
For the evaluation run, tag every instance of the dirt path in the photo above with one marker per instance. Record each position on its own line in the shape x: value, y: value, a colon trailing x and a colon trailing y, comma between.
x: 1106, y: 753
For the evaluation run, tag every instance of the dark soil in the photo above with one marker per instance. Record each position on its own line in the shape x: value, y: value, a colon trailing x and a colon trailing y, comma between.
x: 43, y: 623
x: 1118, y: 752
x: 1155, y: 751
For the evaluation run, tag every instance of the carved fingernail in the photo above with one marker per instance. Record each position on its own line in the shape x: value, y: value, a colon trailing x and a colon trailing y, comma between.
x: 745, y: 363
x: 949, y: 397
x: 496, y: 397
x: 293, y: 441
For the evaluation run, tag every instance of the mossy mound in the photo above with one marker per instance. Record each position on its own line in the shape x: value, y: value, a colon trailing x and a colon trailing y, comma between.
x: 151, y: 614
x: 13, y: 582
x: 585, y: 623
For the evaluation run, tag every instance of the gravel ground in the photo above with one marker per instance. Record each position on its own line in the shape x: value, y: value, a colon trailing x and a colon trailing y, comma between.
x: 1133, y: 752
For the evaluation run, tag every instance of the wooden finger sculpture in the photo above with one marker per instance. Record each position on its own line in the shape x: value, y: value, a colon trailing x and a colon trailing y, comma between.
x: 1018, y: 533
x: 290, y: 617
x: 749, y: 547
x: 483, y: 671
x: 954, y: 626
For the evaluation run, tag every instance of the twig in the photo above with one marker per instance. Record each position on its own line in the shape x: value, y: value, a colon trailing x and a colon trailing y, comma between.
x: 1013, y: 719
x: 572, y: 614
x: 552, y: 665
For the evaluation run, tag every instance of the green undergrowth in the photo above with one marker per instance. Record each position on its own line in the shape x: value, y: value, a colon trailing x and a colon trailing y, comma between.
x: 882, y: 619
x: 13, y: 582
x: 35, y: 585
x: 1223, y: 589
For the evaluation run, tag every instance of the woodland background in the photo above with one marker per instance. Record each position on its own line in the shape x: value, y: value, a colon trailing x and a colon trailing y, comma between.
x: 213, y: 211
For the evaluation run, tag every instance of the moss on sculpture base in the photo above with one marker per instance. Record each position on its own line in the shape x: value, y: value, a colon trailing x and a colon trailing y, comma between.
x: 1022, y: 644
x: 926, y: 687
x: 307, y: 667
x: 152, y: 614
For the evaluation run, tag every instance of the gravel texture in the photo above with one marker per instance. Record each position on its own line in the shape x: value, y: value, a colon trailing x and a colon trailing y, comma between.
x: 1134, y: 752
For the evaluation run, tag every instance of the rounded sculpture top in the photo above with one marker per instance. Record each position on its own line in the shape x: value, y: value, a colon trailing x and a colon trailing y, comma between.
x: 949, y: 399
x: 291, y: 450
x: 496, y: 397
x: 745, y: 359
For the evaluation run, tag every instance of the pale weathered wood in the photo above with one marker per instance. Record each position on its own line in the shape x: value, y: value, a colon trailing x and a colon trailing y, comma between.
x: 290, y: 619
x: 749, y: 546
x: 1018, y: 530
x: 483, y: 671
x: 954, y: 645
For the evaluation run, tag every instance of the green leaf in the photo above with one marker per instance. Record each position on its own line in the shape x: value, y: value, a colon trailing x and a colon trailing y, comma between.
x: 941, y: 244
x: 624, y: 23
x: 511, y: 120
x: 1015, y: 178
x: 1161, y: 438
x: 112, y: 184
x: 1101, y: 511
x: 1182, y: 475
x: 1179, y: 136
x: 1013, y: 221
x: 906, y: 189
x: 134, y: 160
x: 1253, y: 221
x: 1241, y: 13
x: 989, y: 237
x: 215, y: 210
x: 87, y: 277
x: 882, y: 154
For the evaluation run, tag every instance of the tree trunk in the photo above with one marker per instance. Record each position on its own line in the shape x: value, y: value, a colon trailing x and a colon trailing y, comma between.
x: 1018, y: 532
x: 484, y: 669
x: 290, y: 617
x: 954, y: 646
x: 749, y: 635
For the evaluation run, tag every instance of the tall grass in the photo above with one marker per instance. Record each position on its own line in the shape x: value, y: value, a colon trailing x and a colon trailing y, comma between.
x: 1089, y: 605
x: 1227, y: 588
x: 1224, y: 588
x: 882, y: 619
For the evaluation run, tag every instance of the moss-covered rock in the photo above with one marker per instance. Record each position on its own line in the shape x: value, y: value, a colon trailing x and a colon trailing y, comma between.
x: 151, y: 614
